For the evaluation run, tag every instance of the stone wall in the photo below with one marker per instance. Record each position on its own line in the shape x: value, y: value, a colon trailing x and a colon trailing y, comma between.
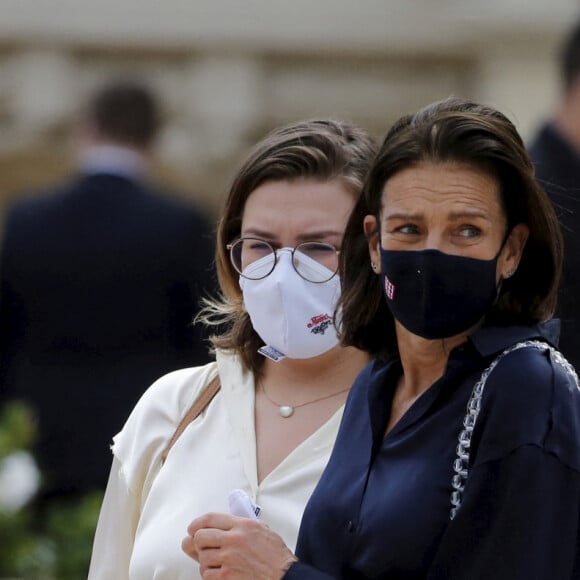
x: 228, y: 71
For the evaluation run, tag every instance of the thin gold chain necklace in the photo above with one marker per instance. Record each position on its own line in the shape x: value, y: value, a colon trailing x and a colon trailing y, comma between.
x: 288, y: 410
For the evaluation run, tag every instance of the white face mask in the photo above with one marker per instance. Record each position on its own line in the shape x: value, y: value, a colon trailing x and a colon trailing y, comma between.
x: 294, y: 317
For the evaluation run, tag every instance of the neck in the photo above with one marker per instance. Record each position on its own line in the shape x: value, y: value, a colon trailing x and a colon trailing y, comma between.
x: 424, y: 361
x: 297, y: 380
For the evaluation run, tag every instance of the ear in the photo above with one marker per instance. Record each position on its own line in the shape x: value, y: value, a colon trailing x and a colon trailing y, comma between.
x: 371, y: 229
x: 513, y: 250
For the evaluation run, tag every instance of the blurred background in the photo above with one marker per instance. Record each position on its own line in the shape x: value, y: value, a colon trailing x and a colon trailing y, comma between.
x: 227, y: 71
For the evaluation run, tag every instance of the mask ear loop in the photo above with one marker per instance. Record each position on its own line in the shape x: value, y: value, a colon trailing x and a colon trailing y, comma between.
x: 511, y: 272
x: 501, y: 278
x: 503, y: 243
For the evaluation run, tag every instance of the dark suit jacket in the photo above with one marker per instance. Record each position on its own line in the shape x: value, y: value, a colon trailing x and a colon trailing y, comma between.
x: 100, y: 281
x: 557, y: 167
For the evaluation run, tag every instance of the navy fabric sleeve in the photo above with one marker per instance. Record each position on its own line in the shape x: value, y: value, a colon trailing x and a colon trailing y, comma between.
x: 519, y: 521
x: 301, y: 571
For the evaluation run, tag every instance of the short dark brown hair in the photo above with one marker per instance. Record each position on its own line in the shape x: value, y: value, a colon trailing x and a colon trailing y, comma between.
x: 321, y: 150
x: 454, y: 130
x: 125, y: 111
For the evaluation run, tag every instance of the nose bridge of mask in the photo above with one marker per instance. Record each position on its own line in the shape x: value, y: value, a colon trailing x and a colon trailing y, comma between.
x: 269, y: 292
x: 283, y: 263
x: 283, y: 271
x: 425, y: 273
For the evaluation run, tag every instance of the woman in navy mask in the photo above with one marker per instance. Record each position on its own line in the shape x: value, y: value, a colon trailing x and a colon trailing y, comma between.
x: 458, y: 456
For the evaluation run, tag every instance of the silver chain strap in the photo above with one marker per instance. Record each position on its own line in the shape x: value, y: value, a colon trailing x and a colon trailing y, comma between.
x: 461, y: 463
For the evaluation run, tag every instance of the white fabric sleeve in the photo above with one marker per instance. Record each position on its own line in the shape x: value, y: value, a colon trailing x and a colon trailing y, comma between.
x: 116, y: 529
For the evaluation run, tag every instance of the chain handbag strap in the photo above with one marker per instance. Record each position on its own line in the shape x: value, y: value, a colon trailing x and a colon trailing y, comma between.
x: 461, y: 463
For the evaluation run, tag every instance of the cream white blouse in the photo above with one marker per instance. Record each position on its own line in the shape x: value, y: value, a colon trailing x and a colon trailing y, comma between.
x: 148, y: 506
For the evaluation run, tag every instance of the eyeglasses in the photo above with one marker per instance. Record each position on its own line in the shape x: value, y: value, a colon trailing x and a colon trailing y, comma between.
x: 307, y: 258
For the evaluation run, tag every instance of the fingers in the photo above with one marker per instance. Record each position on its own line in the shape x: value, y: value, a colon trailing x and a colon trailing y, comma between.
x: 210, y: 573
x: 188, y: 546
x: 221, y: 543
x: 207, y: 548
x: 211, y: 558
x: 211, y: 520
x: 206, y: 532
x: 202, y: 539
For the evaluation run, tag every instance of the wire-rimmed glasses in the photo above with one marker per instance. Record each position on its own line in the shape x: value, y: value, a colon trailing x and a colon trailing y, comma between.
x: 255, y: 259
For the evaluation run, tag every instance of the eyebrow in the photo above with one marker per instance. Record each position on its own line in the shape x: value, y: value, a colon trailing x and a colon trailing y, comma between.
x: 454, y: 216
x: 403, y: 216
x: 314, y: 235
x: 469, y: 214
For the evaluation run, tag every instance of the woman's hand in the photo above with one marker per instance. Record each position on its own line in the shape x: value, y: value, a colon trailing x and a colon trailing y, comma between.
x: 231, y: 547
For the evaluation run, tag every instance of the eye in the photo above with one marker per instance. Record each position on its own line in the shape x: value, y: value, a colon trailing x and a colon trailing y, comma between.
x: 313, y: 248
x: 469, y: 231
x: 325, y: 254
x: 258, y: 245
x: 407, y: 229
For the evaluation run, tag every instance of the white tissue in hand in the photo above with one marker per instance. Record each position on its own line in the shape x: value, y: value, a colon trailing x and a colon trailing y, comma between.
x: 241, y: 505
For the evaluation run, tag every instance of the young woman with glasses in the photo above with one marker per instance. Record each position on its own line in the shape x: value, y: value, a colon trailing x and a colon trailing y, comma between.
x: 283, y: 377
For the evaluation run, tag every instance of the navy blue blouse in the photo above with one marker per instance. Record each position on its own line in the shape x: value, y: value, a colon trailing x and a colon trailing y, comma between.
x: 382, y: 507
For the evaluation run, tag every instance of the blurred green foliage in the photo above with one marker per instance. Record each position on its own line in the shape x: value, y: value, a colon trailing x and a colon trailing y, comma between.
x: 58, y: 548
x: 17, y: 428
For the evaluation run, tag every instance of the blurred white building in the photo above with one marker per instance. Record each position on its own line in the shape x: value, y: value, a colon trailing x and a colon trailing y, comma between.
x: 229, y: 70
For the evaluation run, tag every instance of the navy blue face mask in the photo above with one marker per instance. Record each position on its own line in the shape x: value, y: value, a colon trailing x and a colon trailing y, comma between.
x: 437, y: 295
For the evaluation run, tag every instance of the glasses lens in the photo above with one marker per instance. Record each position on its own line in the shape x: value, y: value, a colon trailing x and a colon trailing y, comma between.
x: 315, y: 261
x: 252, y: 258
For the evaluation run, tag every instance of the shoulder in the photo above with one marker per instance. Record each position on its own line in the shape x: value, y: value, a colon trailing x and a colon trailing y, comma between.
x: 28, y: 205
x: 170, y: 395
x: 536, y: 376
x: 180, y: 224
x: 154, y: 419
x: 531, y: 397
x: 26, y: 220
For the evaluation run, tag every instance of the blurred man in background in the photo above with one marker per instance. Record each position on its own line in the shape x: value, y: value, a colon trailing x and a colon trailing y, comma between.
x: 556, y: 155
x: 100, y: 281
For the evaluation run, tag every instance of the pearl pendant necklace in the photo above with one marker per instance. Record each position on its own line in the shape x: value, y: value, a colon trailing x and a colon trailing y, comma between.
x: 286, y: 411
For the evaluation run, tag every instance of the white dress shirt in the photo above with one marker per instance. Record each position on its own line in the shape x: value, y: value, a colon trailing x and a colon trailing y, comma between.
x: 112, y: 159
x: 148, y: 506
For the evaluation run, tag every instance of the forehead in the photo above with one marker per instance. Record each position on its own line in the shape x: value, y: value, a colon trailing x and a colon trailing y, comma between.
x: 445, y: 185
x: 303, y: 202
